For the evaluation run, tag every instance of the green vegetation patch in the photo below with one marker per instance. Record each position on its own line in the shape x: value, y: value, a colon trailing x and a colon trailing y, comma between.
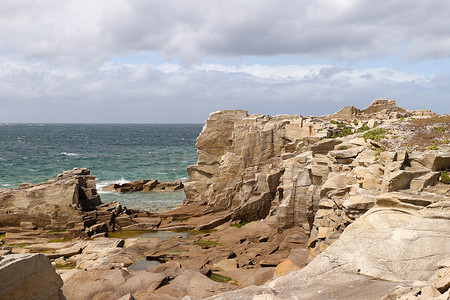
x: 433, y: 147
x: 205, y: 243
x: 178, y: 251
x: 2, y: 236
x: 58, y: 240
x: 445, y: 178
x: 16, y: 245
x: 67, y: 266
x: 125, y: 234
x: 344, y: 132
x: 378, y: 152
x: 219, y: 278
x: 179, y: 220
x: 376, y: 134
x: 363, y: 128
x: 204, y: 231
x: 239, y: 225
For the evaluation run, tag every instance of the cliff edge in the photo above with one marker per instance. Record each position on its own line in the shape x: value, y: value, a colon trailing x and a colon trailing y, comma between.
x: 368, y: 187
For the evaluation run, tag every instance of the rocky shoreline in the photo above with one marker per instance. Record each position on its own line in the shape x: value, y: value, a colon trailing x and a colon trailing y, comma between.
x: 351, y: 205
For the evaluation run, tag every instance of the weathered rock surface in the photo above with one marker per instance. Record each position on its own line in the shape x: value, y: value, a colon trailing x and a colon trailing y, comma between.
x: 29, y: 276
x: 362, y: 206
x: 49, y: 203
x: 313, y: 189
x: 64, y: 208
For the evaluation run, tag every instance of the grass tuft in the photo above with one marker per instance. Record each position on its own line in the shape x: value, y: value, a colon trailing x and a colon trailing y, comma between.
x: 445, y: 178
x: 363, y: 128
x: 376, y: 134
x: 59, y: 240
x: 205, y: 243
x: 219, y: 278
x: 239, y: 225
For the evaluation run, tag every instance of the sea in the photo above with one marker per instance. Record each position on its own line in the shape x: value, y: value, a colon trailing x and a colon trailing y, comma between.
x: 115, y: 153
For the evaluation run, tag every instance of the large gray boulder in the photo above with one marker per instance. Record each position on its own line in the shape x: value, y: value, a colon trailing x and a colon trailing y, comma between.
x: 29, y: 276
x: 390, y: 244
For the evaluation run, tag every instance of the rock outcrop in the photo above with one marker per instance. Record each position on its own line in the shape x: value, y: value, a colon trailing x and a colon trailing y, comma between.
x: 29, y: 276
x: 145, y: 185
x: 49, y: 203
x: 307, y: 172
x: 64, y: 208
x: 362, y: 198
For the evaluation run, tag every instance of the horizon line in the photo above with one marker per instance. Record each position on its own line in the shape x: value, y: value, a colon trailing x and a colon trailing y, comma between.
x: 69, y: 123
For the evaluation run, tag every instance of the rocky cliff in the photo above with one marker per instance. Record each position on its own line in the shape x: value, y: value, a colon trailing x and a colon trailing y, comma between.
x: 371, y: 183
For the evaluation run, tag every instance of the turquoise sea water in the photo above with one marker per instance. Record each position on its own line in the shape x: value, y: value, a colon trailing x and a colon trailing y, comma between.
x: 113, y: 152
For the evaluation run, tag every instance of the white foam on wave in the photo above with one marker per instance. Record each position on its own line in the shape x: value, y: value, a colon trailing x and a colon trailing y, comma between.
x: 69, y: 154
x: 6, y: 184
x: 184, y: 179
x: 102, y: 184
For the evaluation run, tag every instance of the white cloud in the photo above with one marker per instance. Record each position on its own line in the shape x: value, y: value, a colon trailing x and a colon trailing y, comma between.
x: 168, y: 93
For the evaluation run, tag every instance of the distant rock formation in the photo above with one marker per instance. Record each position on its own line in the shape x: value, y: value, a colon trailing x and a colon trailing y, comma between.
x: 145, y: 185
x: 379, y: 109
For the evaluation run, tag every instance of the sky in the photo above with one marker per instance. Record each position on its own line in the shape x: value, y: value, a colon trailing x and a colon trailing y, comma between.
x: 176, y: 61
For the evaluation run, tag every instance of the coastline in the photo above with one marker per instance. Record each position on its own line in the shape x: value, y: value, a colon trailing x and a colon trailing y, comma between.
x: 274, y: 200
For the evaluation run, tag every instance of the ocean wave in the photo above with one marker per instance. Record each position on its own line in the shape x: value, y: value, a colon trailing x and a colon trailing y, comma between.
x: 6, y: 184
x: 69, y: 154
x: 102, y: 184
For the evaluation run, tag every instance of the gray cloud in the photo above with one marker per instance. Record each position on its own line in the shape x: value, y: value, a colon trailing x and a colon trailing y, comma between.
x: 343, y: 30
x: 92, y: 31
x: 56, y: 66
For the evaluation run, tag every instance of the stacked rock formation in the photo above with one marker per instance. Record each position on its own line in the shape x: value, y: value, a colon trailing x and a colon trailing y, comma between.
x: 51, y: 202
x: 69, y: 204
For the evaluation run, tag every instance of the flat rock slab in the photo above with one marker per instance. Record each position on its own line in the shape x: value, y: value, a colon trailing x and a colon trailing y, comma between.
x: 247, y: 277
x: 333, y: 285
x: 49, y: 246
x: 26, y: 241
x: 66, y: 252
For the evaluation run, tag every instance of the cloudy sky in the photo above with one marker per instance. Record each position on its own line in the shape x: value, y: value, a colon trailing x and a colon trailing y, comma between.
x: 175, y: 61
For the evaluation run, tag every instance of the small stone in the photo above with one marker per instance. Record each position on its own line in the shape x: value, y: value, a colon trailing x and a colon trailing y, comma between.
x: 27, y: 225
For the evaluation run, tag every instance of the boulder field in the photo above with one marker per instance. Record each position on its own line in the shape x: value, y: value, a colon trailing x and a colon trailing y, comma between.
x: 354, y: 205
